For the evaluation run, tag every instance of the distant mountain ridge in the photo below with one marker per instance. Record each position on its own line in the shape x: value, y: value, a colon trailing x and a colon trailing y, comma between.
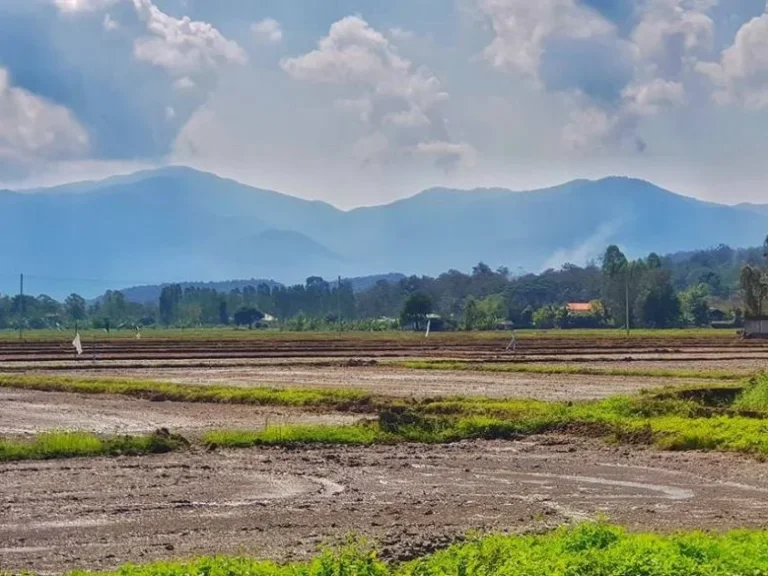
x: 176, y: 223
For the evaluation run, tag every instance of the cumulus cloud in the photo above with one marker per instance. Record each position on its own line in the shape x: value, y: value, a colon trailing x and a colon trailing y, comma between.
x: 610, y: 79
x: 522, y: 30
x: 397, y: 100
x: 183, y: 47
x: 741, y: 75
x: 34, y: 129
x: 268, y: 31
x: 672, y: 33
x: 400, y: 102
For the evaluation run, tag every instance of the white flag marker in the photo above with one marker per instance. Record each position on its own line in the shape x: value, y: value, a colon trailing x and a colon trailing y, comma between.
x: 77, y: 344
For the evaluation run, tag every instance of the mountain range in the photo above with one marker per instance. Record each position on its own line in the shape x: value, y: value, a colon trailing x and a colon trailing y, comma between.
x: 179, y: 224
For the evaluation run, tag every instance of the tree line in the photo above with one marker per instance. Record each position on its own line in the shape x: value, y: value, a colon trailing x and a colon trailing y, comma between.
x: 686, y: 289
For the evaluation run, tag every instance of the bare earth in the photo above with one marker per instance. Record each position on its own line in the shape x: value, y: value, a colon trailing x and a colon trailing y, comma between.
x: 282, y: 504
x: 400, y: 382
x: 29, y: 412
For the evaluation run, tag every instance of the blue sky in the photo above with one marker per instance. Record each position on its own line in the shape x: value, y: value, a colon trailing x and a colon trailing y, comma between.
x: 360, y: 101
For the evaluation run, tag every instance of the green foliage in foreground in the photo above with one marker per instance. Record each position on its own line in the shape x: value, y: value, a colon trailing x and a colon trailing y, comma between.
x: 560, y: 369
x: 70, y: 444
x: 338, y: 399
x: 754, y: 398
x: 586, y: 550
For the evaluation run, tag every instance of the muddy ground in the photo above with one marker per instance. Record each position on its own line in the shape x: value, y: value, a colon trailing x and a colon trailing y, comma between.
x: 284, y: 504
x: 28, y: 412
x: 400, y: 382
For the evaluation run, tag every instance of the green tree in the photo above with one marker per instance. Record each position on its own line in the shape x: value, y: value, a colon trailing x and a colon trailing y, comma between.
x: 657, y: 304
x: 170, y: 299
x: 75, y: 307
x: 545, y: 318
x: 248, y: 316
x: 695, y: 306
x: 471, y: 314
x: 616, y: 270
x: 415, y: 311
x: 755, y: 288
x: 223, y: 312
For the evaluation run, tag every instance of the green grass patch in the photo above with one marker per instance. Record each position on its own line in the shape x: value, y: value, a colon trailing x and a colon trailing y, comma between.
x: 335, y: 399
x: 51, y: 445
x: 566, y: 370
x: 666, y: 422
x: 590, y: 549
x: 353, y: 435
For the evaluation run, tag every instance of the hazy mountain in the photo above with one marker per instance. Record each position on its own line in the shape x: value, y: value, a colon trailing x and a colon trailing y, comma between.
x: 759, y: 208
x: 178, y: 224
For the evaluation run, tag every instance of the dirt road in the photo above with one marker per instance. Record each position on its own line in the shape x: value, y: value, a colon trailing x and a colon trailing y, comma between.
x: 400, y: 382
x: 99, y: 513
x: 28, y: 412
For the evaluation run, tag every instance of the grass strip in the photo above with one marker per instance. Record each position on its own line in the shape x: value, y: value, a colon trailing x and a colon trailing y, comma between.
x: 589, y: 549
x: 51, y: 445
x: 565, y: 370
x: 335, y: 399
x: 665, y: 421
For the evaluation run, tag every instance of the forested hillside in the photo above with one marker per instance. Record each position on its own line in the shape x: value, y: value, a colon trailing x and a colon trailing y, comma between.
x: 691, y: 288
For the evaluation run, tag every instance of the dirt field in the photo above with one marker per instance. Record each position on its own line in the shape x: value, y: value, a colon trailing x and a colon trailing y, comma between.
x: 99, y: 513
x: 399, y: 382
x: 347, y: 345
x: 28, y: 412
x: 92, y: 513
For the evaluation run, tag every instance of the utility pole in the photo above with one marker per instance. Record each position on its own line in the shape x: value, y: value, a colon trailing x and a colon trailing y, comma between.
x: 338, y: 303
x: 626, y: 282
x: 21, y: 307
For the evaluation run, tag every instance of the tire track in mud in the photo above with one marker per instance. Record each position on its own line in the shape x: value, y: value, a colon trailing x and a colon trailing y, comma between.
x: 283, y: 504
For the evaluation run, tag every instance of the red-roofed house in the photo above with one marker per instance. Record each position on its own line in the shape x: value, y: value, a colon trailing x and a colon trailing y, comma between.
x: 579, y: 307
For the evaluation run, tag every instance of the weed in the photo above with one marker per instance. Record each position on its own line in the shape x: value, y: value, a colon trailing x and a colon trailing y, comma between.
x: 50, y: 445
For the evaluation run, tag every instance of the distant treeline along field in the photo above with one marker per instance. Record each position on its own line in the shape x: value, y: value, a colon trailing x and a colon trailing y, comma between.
x: 719, y: 285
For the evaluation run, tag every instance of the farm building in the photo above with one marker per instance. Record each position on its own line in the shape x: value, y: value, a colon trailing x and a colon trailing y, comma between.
x: 756, y: 327
x: 579, y: 307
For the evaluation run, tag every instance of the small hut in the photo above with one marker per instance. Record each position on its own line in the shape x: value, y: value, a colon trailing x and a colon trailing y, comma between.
x: 756, y: 327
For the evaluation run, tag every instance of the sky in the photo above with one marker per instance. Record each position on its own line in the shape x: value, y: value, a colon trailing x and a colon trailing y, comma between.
x: 360, y: 102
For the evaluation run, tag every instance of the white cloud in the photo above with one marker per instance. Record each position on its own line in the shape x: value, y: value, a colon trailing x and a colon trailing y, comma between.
x: 109, y: 23
x: 34, y: 129
x: 184, y: 83
x: 671, y: 34
x: 447, y: 154
x: 170, y: 113
x: 609, y: 80
x: 268, y: 31
x: 649, y: 98
x: 83, y: 5
x: 522, y: 29
x: 741, y: 75
x: 399, y: 101
x: 183, y: 47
